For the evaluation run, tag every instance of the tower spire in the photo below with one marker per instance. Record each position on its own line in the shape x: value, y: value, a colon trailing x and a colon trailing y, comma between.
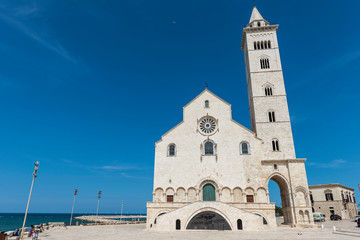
x: 255, y: 15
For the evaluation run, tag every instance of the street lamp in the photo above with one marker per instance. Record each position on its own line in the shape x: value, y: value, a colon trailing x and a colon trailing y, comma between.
x: 122, y: 204
x: 72, y: 210
x: 27, y: 206
x: 97, y: 210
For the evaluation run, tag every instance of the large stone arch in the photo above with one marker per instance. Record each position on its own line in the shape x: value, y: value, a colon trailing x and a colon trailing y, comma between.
x: 208, y: 209
x: 286, y: 199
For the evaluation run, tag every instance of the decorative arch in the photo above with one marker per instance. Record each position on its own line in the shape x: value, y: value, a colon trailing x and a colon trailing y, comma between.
x: 249, y: 192
x: 181, y: 195
x: 191, y: 194
x: 300, y: 196
x: 226, y: 194
x: 158, y: 195
x: 307, y: 216
x: 170, y: 194
x: 238, y: 196
x: 261, y: 195
x: 302, y: 216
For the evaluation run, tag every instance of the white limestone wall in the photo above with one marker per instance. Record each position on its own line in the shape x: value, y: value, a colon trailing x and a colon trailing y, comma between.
x: 250, y: 221
x: 189, y: 168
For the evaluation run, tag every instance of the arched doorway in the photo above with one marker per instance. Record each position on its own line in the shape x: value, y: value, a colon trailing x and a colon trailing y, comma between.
x: 209, y: 192
x: 283, y: 204
x: 208, y: 221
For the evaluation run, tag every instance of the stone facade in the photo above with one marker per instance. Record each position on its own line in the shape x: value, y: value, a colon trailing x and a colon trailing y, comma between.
x: 333, y: 199
x: 210, y: 164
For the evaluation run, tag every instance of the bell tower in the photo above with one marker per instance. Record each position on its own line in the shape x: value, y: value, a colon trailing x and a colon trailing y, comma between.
x: 269, y: 111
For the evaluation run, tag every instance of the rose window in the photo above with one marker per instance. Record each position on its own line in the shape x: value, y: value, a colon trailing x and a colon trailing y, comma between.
x: 207, y: 125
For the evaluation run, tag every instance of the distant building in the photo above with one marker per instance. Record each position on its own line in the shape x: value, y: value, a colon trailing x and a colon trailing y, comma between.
x: 212, y: 173
x: 332, y: 199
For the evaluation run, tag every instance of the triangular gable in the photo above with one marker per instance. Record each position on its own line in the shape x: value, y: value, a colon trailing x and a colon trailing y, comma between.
x: 207, y: 90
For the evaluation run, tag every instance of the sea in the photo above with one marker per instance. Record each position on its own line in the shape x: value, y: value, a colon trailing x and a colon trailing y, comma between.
x: 13, y: 221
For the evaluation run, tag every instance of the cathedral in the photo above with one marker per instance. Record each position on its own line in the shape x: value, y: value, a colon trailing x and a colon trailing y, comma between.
x: 212, y: 173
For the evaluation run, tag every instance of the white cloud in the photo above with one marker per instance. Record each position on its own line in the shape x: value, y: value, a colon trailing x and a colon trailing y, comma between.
x: 18, y: 19
x: 337, y: 163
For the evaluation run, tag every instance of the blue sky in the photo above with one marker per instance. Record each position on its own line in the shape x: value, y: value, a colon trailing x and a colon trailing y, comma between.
x: 88, y: 87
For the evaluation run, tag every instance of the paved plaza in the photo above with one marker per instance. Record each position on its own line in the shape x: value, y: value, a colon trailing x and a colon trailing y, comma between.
x: 138, y: 231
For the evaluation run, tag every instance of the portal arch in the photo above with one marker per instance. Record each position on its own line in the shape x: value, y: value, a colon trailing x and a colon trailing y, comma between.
x: 208, y: 220
x: 284, y: 187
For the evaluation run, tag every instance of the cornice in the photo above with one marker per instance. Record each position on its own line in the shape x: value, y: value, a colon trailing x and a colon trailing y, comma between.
x: 330, y: 185
x: 271, y: 161
x: 256, y: 29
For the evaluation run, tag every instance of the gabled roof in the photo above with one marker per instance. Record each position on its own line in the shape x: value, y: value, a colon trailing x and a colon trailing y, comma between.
x: 207, y: 90
x: 203, y: 92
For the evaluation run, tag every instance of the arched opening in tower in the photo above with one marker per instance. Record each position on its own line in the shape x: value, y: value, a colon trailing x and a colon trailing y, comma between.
x: 279, y: 194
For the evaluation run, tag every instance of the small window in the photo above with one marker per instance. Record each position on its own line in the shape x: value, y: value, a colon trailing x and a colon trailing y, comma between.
x: 271, y: 116
x: 171, y: 150
x: 206, y: 104
x: 259, y: 24
x: 170, y: 198
x: 245, y: 148
x: 269, y: 44
x: 268, y: 91
x: 329, y: 197
x: 239, y: 224
x: 275, y: 145
x: 250, y: 198
x: 258, y: 45
x: 178, y: 224
x: 209, y: 148
x: 264, y: 63
x: 275, y: 167
x: 255, y: 45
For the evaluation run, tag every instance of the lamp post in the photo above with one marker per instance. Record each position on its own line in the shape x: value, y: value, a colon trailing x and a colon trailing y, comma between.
x: 122, y: 203
x: 27, y: 206
x: 97, y: 210
x: 72, y: 210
